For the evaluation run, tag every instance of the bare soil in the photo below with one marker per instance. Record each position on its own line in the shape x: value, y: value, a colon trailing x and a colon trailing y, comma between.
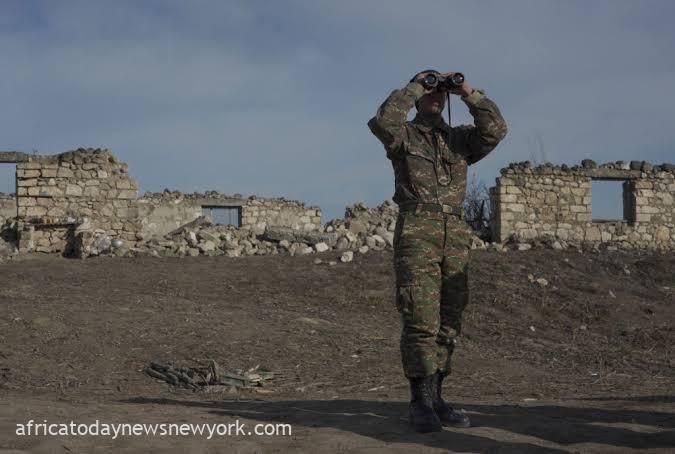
x: 582, y: 364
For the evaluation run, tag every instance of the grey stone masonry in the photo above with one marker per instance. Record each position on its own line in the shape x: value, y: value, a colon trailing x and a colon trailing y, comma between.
x: 258, y: 213
x: 163, y: 212
x: 80, y: 189
x: 86, y: 195
x: 550, y: 201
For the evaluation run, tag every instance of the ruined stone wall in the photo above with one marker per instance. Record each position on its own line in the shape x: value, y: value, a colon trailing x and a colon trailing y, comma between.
x: 81, y: 189
x: 161, y: 213
x: 547, y: 201
x: 7, y: 207
x: 258, y: 213
x: 165, y: 211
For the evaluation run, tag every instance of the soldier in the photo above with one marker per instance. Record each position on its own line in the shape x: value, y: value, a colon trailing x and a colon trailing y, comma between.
x: 432, y: 239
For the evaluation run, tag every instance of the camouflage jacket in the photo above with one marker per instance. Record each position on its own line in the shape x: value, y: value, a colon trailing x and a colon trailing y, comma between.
x: 428, y: 167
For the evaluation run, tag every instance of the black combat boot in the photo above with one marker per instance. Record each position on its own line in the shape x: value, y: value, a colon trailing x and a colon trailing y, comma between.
x: 422, y: 416
x: 445, y: 412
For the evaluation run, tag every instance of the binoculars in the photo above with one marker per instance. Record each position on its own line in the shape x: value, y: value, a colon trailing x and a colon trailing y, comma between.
x: 439, y: 82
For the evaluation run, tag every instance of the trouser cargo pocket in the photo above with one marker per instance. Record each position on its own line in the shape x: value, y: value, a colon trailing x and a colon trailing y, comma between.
x: 405, y: 300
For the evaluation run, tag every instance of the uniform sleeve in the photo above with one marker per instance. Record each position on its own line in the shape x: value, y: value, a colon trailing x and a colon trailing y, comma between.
x: 476, y: 142
x: 388, y: 124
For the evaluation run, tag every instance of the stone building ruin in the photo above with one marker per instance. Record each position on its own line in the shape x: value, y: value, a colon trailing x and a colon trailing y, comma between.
x: 78, y: 202
x: 88, y: 191
x: 554, y: 202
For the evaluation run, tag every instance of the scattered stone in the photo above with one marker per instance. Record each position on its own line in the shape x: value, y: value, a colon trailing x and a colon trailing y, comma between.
x: 285, y: 244
x: 347, y: 256
x: 206, y: 246
x: 304, y: 250
x: 321, y: 247
x: 381, y: 231
x: 477, y: 243
x: 206, y: 236
x: 277, y: 234
x: 342, y: 243
x: 233, y: 252
x: 363, y: 249
x: 191, y: 238
x: 380, y: 243
x: 200, y: 222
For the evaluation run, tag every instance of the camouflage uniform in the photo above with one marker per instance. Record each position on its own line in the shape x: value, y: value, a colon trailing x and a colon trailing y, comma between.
x: 431, y: 239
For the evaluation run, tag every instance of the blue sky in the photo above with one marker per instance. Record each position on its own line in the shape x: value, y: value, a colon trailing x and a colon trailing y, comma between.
x: 272, y: 98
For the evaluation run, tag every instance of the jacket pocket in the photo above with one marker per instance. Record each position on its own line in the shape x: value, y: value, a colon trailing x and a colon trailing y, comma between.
x: 404, y: 267
x: 405, y: 300
x: 457, y: 167
x: 418, y: 152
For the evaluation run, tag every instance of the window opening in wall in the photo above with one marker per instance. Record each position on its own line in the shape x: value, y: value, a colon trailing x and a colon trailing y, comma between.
x: 8, y: 178
x: 223, y: 215
x: 611, y: 200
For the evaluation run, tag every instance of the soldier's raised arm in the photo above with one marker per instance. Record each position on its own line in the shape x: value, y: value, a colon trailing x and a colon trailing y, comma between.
x: 388, y: 124
x: 476, y: 142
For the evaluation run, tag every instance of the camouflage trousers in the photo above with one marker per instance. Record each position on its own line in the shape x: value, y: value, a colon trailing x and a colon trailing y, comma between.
x: 431, y: 254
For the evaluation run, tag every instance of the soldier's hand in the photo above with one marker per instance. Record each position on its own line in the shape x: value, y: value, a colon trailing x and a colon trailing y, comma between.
x: 464, y: 90
x: 420, y: 77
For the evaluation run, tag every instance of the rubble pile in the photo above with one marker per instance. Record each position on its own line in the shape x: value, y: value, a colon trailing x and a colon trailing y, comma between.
x: 363, y: 229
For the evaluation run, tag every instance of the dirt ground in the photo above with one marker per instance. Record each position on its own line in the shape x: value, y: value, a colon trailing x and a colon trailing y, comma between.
x: 582, y: 364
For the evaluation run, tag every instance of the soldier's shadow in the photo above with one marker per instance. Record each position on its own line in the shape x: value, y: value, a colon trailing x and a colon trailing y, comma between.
x: 386, y: 421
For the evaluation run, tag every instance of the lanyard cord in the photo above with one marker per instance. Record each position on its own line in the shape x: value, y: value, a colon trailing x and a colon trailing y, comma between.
x: 449, y: 124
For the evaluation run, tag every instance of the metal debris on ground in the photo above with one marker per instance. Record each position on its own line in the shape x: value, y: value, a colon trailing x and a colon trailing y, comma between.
x: 201, y: 378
